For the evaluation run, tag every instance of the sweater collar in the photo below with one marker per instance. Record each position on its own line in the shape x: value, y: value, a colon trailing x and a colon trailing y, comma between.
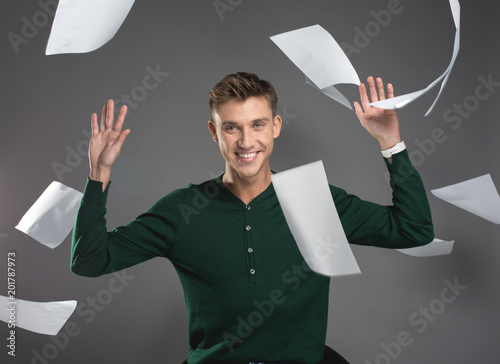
x: 264, y: 195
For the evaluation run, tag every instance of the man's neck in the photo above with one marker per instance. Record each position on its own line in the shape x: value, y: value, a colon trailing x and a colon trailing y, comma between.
x: 246, y: 189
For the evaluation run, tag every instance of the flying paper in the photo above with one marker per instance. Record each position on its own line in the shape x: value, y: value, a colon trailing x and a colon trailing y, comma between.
x: 314, y: 51
x: 402, y: 100
x: 478, y: 196
x: 82, y: 26
x: 434, y: 248
x: 40, y: 317
x: 52, y: 216
x: 307, y: 203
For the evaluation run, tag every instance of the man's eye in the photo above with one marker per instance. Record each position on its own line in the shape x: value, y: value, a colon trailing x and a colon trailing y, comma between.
x: 259, y: 125
x: 230, y: 128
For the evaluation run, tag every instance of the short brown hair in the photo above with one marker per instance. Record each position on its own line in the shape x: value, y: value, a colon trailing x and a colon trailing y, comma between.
x: 240, y: 86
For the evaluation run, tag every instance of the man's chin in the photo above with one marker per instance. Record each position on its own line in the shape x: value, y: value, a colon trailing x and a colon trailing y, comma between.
x: 247, y: 173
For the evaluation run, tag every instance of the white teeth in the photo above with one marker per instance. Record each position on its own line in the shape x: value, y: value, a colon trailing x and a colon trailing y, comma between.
x: 247, y: 155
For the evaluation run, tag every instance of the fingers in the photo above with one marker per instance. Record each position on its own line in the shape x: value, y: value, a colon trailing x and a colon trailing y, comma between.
x: 373, y: 90
x: 103, y: 118
x: 390, y: 90
x: 359, y: 112
x: 380, y: 87
x: 381, y: 92
x: 110, y: 114
x: 357, y: 107
x: 376, y: 90
x: 107, y: 118
x: 363, y: 95
x: 93, y: 124
x: 120, y: 119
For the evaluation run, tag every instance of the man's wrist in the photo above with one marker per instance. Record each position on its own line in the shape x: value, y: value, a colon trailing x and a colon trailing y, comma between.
x: 398, y: 147
x: 101, y: 176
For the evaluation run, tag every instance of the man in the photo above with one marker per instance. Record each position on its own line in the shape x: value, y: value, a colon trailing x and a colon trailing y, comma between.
x: 249, y: 294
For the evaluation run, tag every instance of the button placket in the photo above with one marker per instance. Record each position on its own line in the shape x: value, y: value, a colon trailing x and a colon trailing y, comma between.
x: 249, y: 241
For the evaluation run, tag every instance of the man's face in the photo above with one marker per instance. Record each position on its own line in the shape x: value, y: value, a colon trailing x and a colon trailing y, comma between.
x: 245, y: 132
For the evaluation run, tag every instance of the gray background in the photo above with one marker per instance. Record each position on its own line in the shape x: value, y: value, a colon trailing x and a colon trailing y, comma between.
x: 46, y: 102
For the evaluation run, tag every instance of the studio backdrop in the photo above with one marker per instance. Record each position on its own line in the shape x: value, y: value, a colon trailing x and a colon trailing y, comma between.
x: 162, y: 62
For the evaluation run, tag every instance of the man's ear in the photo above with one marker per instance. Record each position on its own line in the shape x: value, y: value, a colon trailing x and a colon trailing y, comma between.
x: 213, y: 130
x: 277, y: 123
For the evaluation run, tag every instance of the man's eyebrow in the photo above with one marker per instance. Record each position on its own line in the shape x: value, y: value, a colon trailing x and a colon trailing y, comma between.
x: 229, y: 122
x: 260, y: 120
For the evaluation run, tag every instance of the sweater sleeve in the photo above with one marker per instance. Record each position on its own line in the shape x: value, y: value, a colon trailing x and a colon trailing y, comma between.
x: 95, y: 251
x: 407, y: 223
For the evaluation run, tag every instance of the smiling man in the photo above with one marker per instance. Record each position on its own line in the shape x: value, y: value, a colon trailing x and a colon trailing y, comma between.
x: 250, y: 296
x: 245, y: 129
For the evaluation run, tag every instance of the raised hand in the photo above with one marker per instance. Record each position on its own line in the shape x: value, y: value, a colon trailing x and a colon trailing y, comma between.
x: 106, y: 143
x: 382, y: 124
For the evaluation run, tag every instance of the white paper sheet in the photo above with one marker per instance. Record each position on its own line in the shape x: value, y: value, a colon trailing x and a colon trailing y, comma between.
x: 82, y: 26
x: 52, y: 216
x: 307, y: 203
x: 478, y: 196
x: 402, y: 100
x: 314, y: 51
x: 434, y: 248
x: 41, y: 317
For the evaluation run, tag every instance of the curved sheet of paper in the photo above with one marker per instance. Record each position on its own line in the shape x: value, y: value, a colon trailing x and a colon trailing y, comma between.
x: 314, y: 51
x: 52, y: 216
x: 478, y: 196
x: 305, y: 198
x: 402, y: 100
x: 332, y: 93
x: 82, y: 26
x: 434, y: 248
x: 40, y: 317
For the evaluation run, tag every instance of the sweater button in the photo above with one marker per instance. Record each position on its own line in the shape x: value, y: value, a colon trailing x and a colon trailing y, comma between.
x: 250, y: 250
x: 252, y: 271
x: 247, y: 207
x: 248, y: 227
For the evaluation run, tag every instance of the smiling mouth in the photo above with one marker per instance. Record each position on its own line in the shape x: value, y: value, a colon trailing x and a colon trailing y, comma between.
x: 246, y: 155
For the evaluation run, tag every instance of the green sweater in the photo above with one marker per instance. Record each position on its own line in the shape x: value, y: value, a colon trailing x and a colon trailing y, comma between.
x: 249, y: 294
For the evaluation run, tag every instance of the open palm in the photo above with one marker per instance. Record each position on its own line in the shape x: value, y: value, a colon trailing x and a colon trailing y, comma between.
x: 106, y: 141
x: 382, y: 124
